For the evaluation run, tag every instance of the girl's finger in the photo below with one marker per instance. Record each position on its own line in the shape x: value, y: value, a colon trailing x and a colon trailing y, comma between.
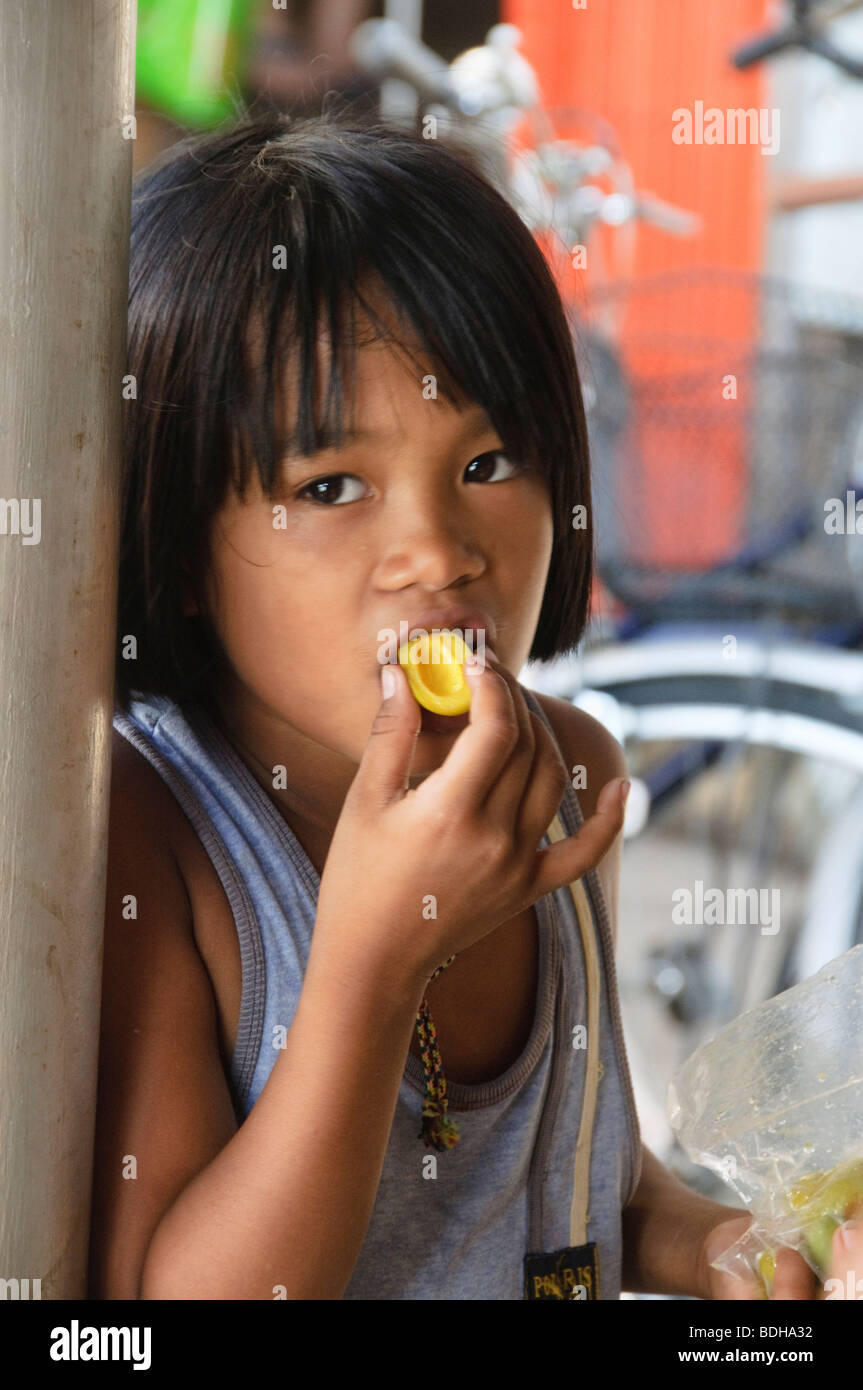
x: 546, y: 785
x: 793, y: 1277
x: 385, y: 765
x: 502, y: 803
x: 567, y: 860
x: 748, y: 1289
x: 481, y: 751
x: 846, y: 1263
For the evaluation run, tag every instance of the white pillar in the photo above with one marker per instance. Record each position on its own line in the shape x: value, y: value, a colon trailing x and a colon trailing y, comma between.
x: 66, y: 89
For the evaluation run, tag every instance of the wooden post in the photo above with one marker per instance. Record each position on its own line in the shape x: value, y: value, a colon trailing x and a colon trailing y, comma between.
x: 66, y: 128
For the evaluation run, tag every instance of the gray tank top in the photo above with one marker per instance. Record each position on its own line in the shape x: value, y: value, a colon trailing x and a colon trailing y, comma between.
x: 458, y: 1224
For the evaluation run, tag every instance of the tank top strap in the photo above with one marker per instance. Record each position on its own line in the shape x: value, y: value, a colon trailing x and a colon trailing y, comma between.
x: 594, y: 923
x: 581, y: 1170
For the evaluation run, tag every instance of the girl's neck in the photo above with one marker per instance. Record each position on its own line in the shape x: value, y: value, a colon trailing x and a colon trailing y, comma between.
x: 317, y: 778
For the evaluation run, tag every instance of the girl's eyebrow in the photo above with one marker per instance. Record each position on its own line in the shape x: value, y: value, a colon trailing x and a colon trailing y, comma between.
x: 329, y: 445
x: 476, y: 424
x: 349, y: 436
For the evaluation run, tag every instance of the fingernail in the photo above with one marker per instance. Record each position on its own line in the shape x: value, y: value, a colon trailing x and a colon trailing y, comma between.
x: 849, y: 1234
x: 624, y: 792
x: 388, y: 681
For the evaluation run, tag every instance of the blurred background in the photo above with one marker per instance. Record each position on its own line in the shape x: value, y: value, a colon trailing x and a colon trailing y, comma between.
x: 694, y: 173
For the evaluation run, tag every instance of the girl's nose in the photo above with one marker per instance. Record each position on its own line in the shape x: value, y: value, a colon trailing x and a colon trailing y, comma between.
x: 436, y: 549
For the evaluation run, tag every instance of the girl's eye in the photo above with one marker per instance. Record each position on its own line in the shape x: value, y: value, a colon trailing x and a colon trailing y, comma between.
x: 330, y: 490
x: 335, y: 489
x: 487, y: 465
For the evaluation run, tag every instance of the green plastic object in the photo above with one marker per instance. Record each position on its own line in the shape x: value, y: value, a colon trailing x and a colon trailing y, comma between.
x: 190, y: 57
x: 819, y: 1242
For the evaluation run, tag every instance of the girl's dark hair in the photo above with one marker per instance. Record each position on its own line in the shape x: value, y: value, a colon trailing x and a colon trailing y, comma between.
x: 355, y: 203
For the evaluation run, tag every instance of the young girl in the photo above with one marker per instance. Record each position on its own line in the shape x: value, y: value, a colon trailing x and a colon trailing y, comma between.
x: 358, y: 1038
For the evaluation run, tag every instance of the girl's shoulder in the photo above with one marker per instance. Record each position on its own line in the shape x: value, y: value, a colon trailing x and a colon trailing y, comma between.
x: 142, y: 804
x: 584, y: 742
x: 163, y: 1095
x: 142, y: 800
x: 143, y: 812
x: 587, y: 743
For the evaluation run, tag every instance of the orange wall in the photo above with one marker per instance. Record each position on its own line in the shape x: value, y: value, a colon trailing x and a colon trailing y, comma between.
x: 633, y: 63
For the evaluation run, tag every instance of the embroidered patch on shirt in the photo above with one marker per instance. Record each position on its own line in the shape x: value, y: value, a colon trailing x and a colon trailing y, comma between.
x: 571, y: 1274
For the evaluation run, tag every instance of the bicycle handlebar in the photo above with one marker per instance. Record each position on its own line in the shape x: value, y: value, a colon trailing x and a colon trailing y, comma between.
x: 384, y: 49
x: 756, y: 50
x: 800, y: 32
x: 825, y: 49
x: 668, y: 218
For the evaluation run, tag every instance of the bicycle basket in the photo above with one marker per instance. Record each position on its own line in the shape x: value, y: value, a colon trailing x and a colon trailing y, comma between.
x: 727, y: 448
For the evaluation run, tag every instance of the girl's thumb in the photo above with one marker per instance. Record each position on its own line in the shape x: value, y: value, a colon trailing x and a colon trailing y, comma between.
x: 386, y: 761
x: 388, y: 682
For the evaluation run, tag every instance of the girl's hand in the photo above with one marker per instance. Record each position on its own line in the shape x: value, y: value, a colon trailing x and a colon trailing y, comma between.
x: 846, y: 1269
x: 414, y: 875
x: 793, y: 1278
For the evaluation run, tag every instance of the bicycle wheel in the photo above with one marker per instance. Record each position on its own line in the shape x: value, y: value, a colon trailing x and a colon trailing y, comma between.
x: 766, y: 822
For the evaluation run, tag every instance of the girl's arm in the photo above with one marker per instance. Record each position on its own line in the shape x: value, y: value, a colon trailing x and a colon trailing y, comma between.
x: 284, y: 1208
x: 671, y: 1235
x: 164, y: 1110
x: 186, y: 1205
x: 665, y: 1228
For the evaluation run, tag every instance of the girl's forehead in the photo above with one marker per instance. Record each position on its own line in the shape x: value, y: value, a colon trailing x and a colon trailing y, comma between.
x: 376, y: 336
x: 383, y: 367
x: 383, y: 380
x: 387, y: 404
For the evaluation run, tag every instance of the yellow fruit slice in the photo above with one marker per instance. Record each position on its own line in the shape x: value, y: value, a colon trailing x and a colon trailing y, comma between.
x: 434, y: 666
x: 803, y: 1191
x: 828, y: 1194
x: 825, y: 1200
x: 819, y: 1242
x: 766, y: 1265
x: 843, y: 1193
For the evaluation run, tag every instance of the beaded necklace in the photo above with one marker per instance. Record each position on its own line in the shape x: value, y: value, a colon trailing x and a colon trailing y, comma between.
x: 438, y: 1130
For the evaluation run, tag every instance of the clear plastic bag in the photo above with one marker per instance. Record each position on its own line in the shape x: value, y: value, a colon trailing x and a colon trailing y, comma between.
x: 774, y: 1105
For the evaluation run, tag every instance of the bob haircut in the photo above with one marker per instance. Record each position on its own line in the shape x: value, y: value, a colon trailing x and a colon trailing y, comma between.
x: 353, y: 202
